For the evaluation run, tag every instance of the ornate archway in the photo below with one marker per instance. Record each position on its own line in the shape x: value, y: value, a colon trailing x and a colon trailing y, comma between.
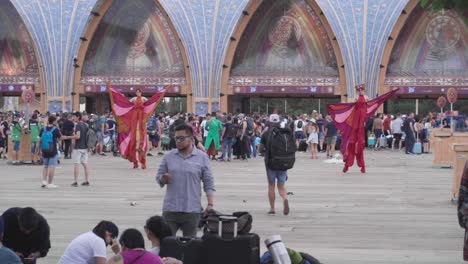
x: 19, y: 60
x: 131, y: 44
x: 426, y: 54
x: 286, y: 47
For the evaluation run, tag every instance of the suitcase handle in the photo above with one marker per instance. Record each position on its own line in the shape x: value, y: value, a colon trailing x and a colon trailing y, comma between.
x: 184, y: 240
x: 227, y: 219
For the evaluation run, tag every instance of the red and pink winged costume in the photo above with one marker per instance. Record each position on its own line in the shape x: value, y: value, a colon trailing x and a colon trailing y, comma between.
x: 350, y: 119
x: 130, y: 117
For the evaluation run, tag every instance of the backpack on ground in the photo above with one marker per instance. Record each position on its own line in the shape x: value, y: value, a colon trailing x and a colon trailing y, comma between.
x: 48, y: 146
x: 231, y: 132
x: 250, y: 126
x: 281, y: 149
x: 91, y: 139
x: 299, y: 124
x: 369, y: 124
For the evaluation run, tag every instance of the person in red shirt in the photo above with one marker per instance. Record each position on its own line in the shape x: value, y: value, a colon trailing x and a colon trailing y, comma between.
x: 386, y: 124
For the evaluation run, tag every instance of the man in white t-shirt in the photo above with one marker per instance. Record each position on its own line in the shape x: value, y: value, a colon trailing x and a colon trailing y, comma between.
x: 90, y: 247
x: 203, y: 125
x: 299, y: 127
x: 396, y: 131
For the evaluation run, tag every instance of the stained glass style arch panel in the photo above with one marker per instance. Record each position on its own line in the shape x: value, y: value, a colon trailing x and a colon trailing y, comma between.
x: 431, y: 45
x: 284, y: 38
x: 18, y: 63
x: 134, y: 44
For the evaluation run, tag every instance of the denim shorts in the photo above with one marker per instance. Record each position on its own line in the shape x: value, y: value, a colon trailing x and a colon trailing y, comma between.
x: 99, y: 136
x: 50, y: 162
x: 16, y: 145
x: 276, y: 176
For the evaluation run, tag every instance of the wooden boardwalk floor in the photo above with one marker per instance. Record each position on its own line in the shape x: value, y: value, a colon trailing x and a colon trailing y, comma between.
x: 399, y: 212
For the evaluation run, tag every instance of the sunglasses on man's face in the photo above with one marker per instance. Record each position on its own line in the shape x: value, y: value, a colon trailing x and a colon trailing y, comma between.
x: 181, y: 138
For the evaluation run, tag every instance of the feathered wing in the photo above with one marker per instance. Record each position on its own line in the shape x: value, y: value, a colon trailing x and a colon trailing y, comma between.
x: 343, y: 115
x: 121, y: 107
x: 123, y: 111
x: 153, y: 102
x: 374, y: 104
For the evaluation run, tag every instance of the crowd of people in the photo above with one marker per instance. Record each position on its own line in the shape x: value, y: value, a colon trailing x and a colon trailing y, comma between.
x: 25, y: 237
x: 232, y: 136
x: 185, y: 171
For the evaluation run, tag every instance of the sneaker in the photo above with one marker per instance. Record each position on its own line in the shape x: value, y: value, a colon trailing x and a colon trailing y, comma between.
x: 149, y: 154
x: 44, y: 184
x: 75, y: 184
x: 271, y: 212
x: 51, y: 186
x: 102, y: 154
x: 85, y: 183
x: 160, y: 153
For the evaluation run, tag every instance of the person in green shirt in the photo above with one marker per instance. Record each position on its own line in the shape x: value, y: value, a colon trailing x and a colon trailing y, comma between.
x: 35, y: 128
x: 16, y: 131
x: 214, y: 127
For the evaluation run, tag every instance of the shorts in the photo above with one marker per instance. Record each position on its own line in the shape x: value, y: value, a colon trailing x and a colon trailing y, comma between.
x: 16, y: 145
x: 99, y: 136
x: 330, y: 140
x: 50, y: 162
x: 299, y: 135
x: 378, y: 133
x: 80, y: 156
x: 276, y: 176
x: 321, y: 136
x: 397, y: 136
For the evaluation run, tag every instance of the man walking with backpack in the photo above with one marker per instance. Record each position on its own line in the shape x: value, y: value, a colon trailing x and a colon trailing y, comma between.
x: 48, y: 142
x: 279, y: 148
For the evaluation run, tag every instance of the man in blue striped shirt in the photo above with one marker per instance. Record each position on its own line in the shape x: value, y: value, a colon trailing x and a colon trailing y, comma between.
x: 183, y: 170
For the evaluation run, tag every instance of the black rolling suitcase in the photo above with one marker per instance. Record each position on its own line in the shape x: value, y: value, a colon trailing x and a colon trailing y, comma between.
x: 186, y: 249
x: 231, y: 248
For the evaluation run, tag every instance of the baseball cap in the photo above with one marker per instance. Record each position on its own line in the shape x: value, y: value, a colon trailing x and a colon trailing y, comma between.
x: 274, y: 118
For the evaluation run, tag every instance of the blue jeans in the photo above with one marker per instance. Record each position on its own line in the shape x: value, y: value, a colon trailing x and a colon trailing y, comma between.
x: 227, y: 147
x: 252, y: 146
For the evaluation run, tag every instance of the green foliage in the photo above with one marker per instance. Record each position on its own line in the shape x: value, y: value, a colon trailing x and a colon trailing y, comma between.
x: 460, y: 6
x: 292, y: 106
x: 405, y: 106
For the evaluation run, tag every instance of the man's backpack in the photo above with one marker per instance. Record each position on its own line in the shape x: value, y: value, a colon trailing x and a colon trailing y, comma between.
x: 299, y: 124
x: 250, y: 126
x: 93, y: 125
x: 48, y: 146
x: 281, y: 149
x: 231, y: 132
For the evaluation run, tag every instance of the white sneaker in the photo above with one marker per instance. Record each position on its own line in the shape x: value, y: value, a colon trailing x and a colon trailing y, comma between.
x: 44, y: 184
x: 51, y: 186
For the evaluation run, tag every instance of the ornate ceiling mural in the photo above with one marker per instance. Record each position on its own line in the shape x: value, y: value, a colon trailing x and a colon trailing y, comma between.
x: 285, y: 38
x: 55, y: 27
x: 18, y: 63
x: 205, y: 28
x: 431, y: 44
x: 134, y: 40
x: 362, y: 29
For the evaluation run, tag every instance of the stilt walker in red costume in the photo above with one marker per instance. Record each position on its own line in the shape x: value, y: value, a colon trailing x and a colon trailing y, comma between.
x: 131, y: 116
x: 350, y: 119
